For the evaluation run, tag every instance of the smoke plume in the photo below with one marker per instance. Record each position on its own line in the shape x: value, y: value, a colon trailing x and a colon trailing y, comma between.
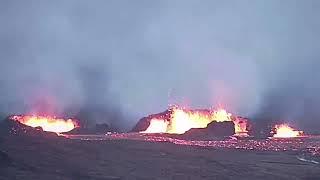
x: 115, y: 61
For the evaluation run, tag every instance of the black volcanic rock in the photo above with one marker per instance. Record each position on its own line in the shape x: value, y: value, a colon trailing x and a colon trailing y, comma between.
x: 97, y: 129
x: 214, y: 129
x: 5, y: 160
x: 144, y: 122
x: 102, y: 128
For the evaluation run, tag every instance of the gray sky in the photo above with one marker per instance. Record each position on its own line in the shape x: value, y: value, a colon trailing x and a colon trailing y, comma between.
x: 257, y: 58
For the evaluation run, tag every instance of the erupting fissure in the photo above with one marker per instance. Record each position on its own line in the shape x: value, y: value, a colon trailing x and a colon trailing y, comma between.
x: 182, y: 120
x: 49, y: 124
x: 285, y: 131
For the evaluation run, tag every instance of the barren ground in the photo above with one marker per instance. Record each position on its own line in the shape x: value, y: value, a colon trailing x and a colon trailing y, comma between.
x: 59, y: 158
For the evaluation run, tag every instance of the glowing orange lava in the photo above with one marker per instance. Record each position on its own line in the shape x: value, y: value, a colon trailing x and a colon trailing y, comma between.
x: 285, y: 131
x: 240, y: 126
x: 221, y: 115
x: 49, y: 124
x: 183, y: 120
x: 157, y: 126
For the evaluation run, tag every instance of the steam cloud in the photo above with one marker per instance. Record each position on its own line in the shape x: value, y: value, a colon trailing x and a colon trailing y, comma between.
x: 120, y: 60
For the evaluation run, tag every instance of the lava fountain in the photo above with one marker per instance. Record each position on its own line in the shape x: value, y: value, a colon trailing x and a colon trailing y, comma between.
x: 285, y: 131
x: 157, y: 126
x: 50, y: 124
x: 182, y: 120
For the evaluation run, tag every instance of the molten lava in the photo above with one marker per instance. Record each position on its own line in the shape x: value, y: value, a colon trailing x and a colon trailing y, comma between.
x: 240, y: 126
x: 157, y: 126
x: 183, y: 120
x: 221, y: 115
x: 285, y: 131
x: 49, y: 124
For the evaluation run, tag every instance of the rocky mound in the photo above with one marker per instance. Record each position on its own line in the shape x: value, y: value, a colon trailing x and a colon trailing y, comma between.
x: 214, y: 129
x: 144, y: 122
x: 242, y: 123
x: 12, y: 127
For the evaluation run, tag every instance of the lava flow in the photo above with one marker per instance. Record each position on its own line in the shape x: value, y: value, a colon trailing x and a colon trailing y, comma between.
x: 285, y: 131
x: 49, y: 124
x: 183, y: 120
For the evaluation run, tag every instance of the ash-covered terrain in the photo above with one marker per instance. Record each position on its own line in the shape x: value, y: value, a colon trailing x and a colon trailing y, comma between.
x: 61, y: 158
x: 33, y: 154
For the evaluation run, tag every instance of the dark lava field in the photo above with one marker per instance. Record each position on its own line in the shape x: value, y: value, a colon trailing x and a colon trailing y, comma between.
x: 51, y: 157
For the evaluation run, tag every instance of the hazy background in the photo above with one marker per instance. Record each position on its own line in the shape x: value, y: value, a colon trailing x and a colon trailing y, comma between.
x: 115, y: 60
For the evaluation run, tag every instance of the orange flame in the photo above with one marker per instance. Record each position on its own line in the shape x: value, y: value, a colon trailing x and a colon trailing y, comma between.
x: 285, y: 131
x: 221, y: 115
x: 183, y: 120
x: 49, y: 124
